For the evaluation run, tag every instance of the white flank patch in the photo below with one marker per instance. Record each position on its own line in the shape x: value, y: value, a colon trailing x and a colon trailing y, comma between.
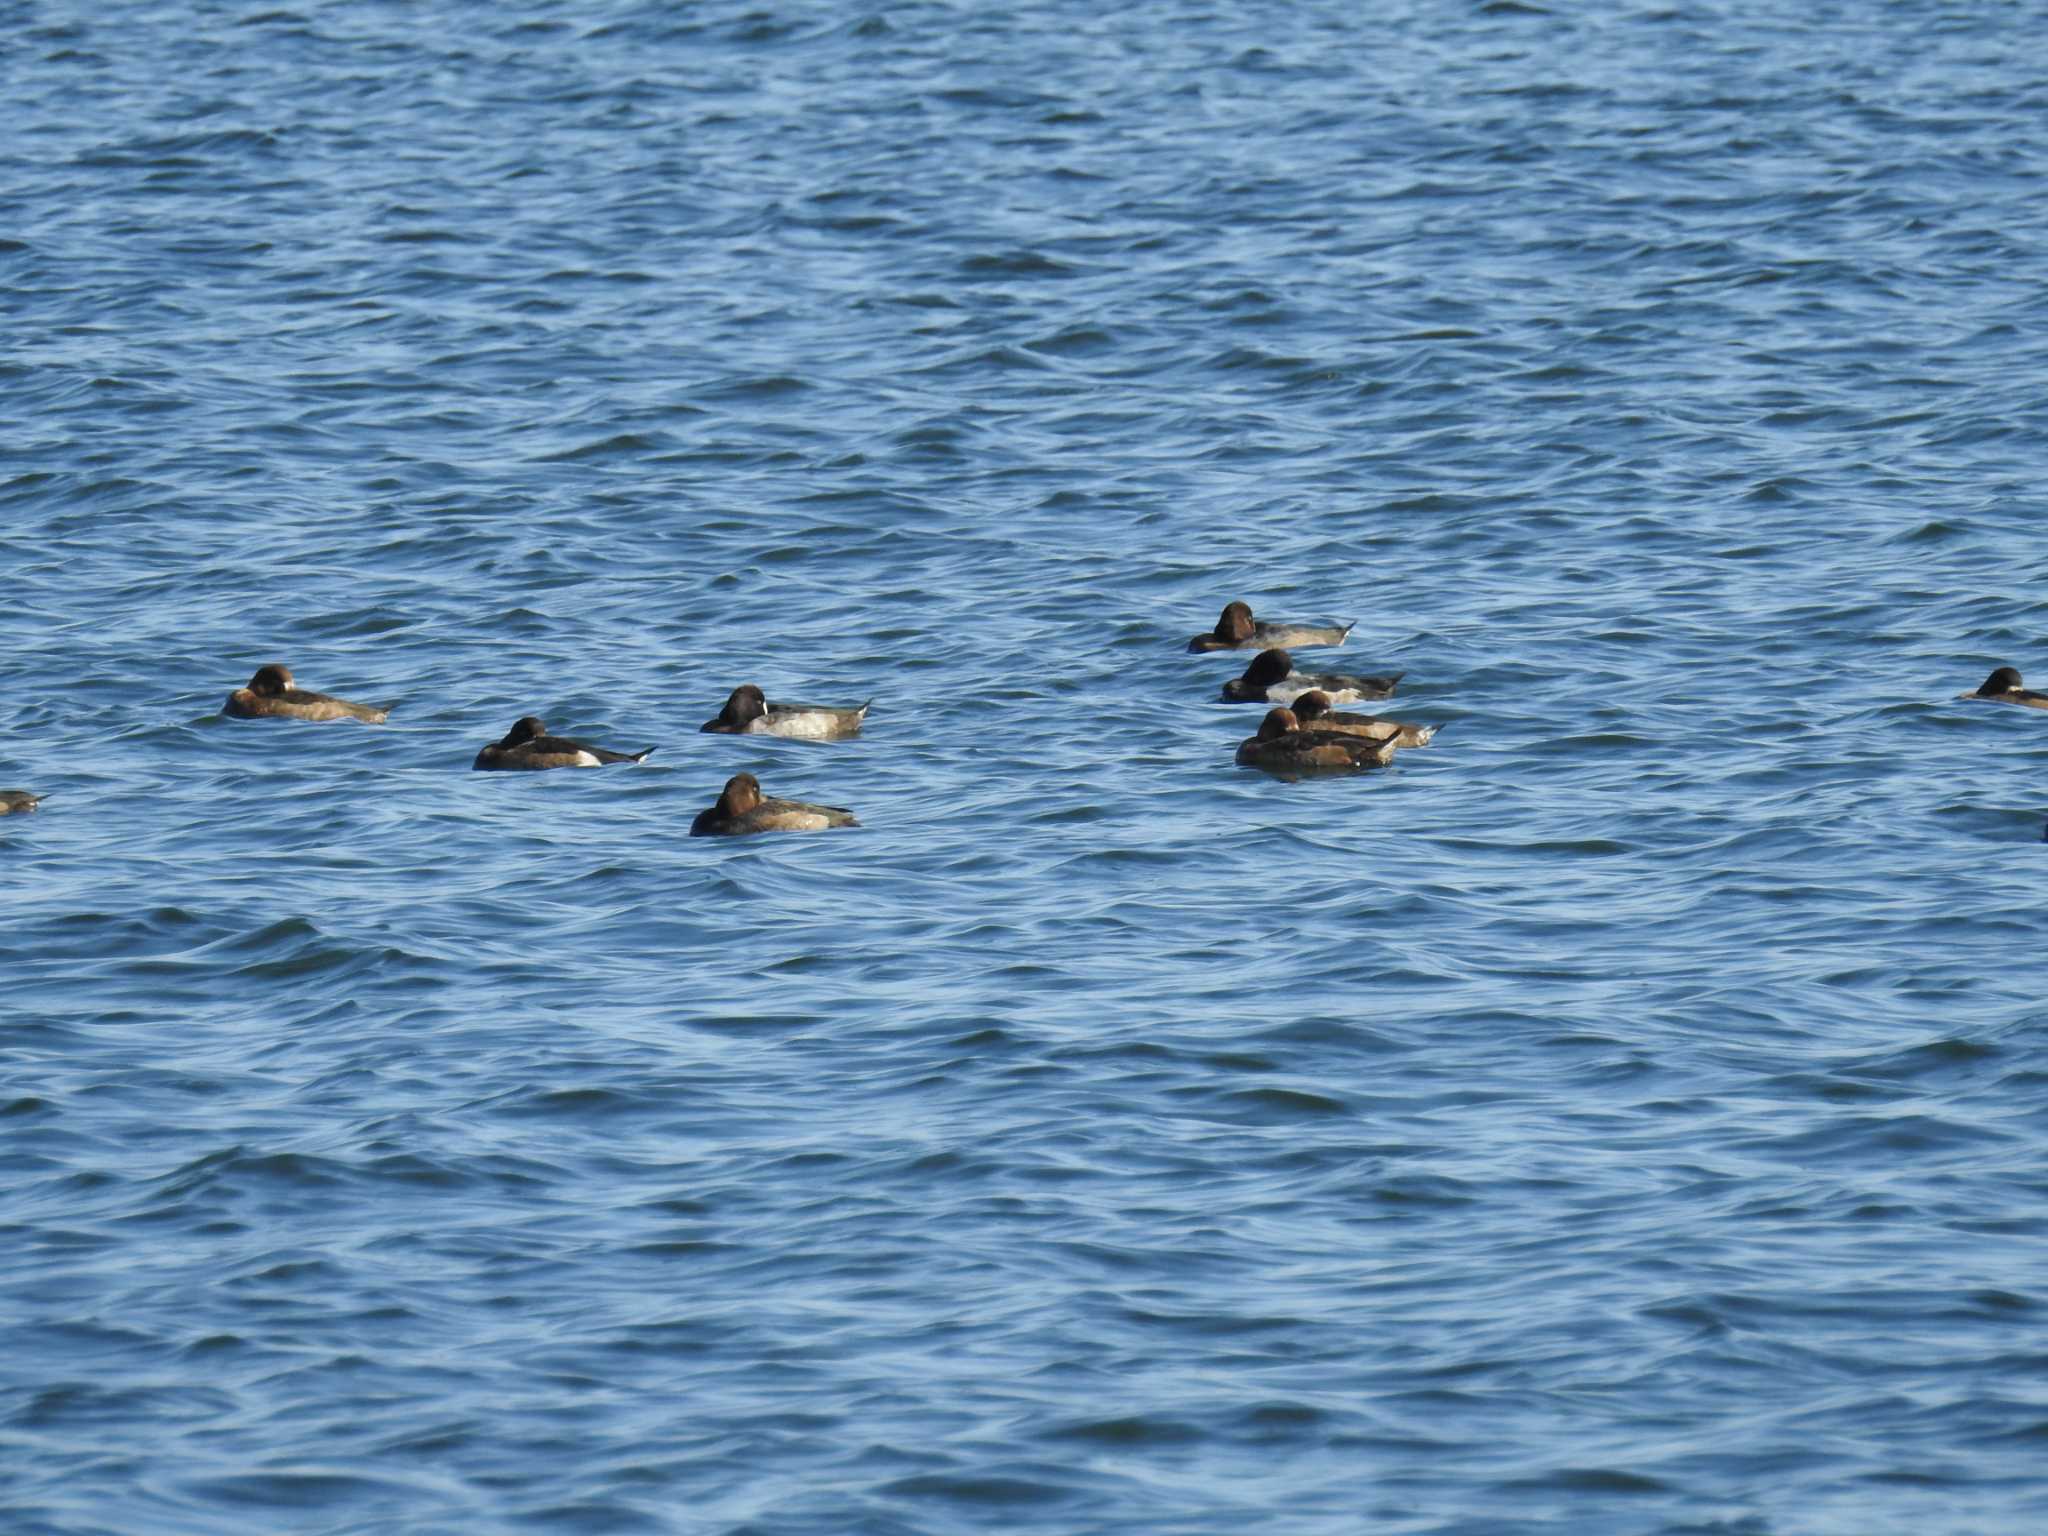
x: 803, y: 722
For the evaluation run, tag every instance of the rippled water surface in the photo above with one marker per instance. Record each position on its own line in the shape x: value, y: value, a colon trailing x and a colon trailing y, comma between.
x: 1625, y: 1115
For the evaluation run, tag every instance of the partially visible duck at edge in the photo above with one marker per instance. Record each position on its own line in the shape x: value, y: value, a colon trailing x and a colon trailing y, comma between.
x: 1271, y: 679
x: 2003, y: 687
x: 1313, y: 710
x: 748, y: 713
x: 18, y: 802
x: 1237, y: 630
x: 1283, y: 747
x: 529, y: 746
x: 742, y: 809
x: 272, y: 694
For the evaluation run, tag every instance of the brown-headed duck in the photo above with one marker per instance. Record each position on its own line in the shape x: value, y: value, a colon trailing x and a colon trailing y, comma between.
x: 529, y: 746
x: 1271, y: 679
x: 18, y: 802
x: 741, y: 809
x: 1282, y: 746
x: 1237, y: 630
x: 2003, y: 687
x: 747, y: 713
x: 271, y: 694
x: 1313, y: 710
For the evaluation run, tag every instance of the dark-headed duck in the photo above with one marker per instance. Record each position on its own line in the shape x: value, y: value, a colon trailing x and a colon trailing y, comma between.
x: 1238, y: 631
x: 272, y: 694
x: 1271, y: 679
x: 747, y: 713
x: 742, y: 809
x: 15, y: 802
x: 1282, y: 746
x: 1313, y: 710
x: 2003, y: 687
x: 528, y: 745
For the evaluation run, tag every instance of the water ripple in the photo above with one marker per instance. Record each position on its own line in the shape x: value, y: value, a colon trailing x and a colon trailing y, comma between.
x: 1624, y: 1105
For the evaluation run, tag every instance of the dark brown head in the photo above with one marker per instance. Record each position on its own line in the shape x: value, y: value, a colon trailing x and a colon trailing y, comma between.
x: 2004, y: 680
x: 1235, y: 627
x: 1268, y: 667
x: 526, y: 728
x: 745, y: 704
x: 1278, y: 723
x: 272, y: 681
x: 1312, y: 706
x: 741, y: 794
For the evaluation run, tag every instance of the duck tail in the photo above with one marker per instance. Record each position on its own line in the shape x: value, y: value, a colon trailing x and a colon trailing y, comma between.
x: 642, y: 755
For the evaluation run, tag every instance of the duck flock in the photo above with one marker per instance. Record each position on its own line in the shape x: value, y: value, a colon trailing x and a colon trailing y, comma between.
x: 1304, y: 733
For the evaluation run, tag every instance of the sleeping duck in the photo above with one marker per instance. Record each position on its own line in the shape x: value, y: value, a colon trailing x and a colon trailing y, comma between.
x: 1313, y: 710
x: 529, y: 746
x: 271, y: 694
x: 1271, y: 679
x: 742, y: 809
x: 2003, y: 687
x: 747, y: 713
x: 1282, y: 746
x: 1237, y: 630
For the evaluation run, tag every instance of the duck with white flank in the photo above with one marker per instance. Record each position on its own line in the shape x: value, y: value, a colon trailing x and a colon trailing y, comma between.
x: 1271, y: 679
x: 748, y: 713
x: 529, y: 746
x: 1237, y: 630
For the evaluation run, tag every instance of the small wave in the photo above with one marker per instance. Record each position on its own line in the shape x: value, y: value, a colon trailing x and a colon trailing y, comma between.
x: 623, y: 445
x: 1016, y: 264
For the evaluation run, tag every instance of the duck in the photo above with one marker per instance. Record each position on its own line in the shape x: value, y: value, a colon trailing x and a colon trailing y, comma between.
x: 1271, y: 679
x: 529, y: 746
x: 741, y: 809
x: 1237, y: 630
x: 1313, y: 710
x: 747, y: 713
x: 1283, y: 746
x: 2003, y: 687
x: 272, y: 694
x: 19, y: 802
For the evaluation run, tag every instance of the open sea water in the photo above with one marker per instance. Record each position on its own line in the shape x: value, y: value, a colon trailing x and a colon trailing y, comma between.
x: 1627, y: 1115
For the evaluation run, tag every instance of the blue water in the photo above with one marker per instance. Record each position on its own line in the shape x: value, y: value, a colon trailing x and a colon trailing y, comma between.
x: 1629, y: 1114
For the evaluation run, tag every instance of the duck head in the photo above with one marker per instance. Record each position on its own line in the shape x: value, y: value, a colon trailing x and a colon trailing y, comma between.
x: 1312, y: 706
x: 741, y: 794
x: 1235, y: 627
x: 745, y: 704
x: 1268, y: 667
x: 1278, y: 723
x: 272, y: 681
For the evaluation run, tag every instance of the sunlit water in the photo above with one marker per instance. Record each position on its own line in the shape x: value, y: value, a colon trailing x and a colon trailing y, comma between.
x: 1629, y: 1114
